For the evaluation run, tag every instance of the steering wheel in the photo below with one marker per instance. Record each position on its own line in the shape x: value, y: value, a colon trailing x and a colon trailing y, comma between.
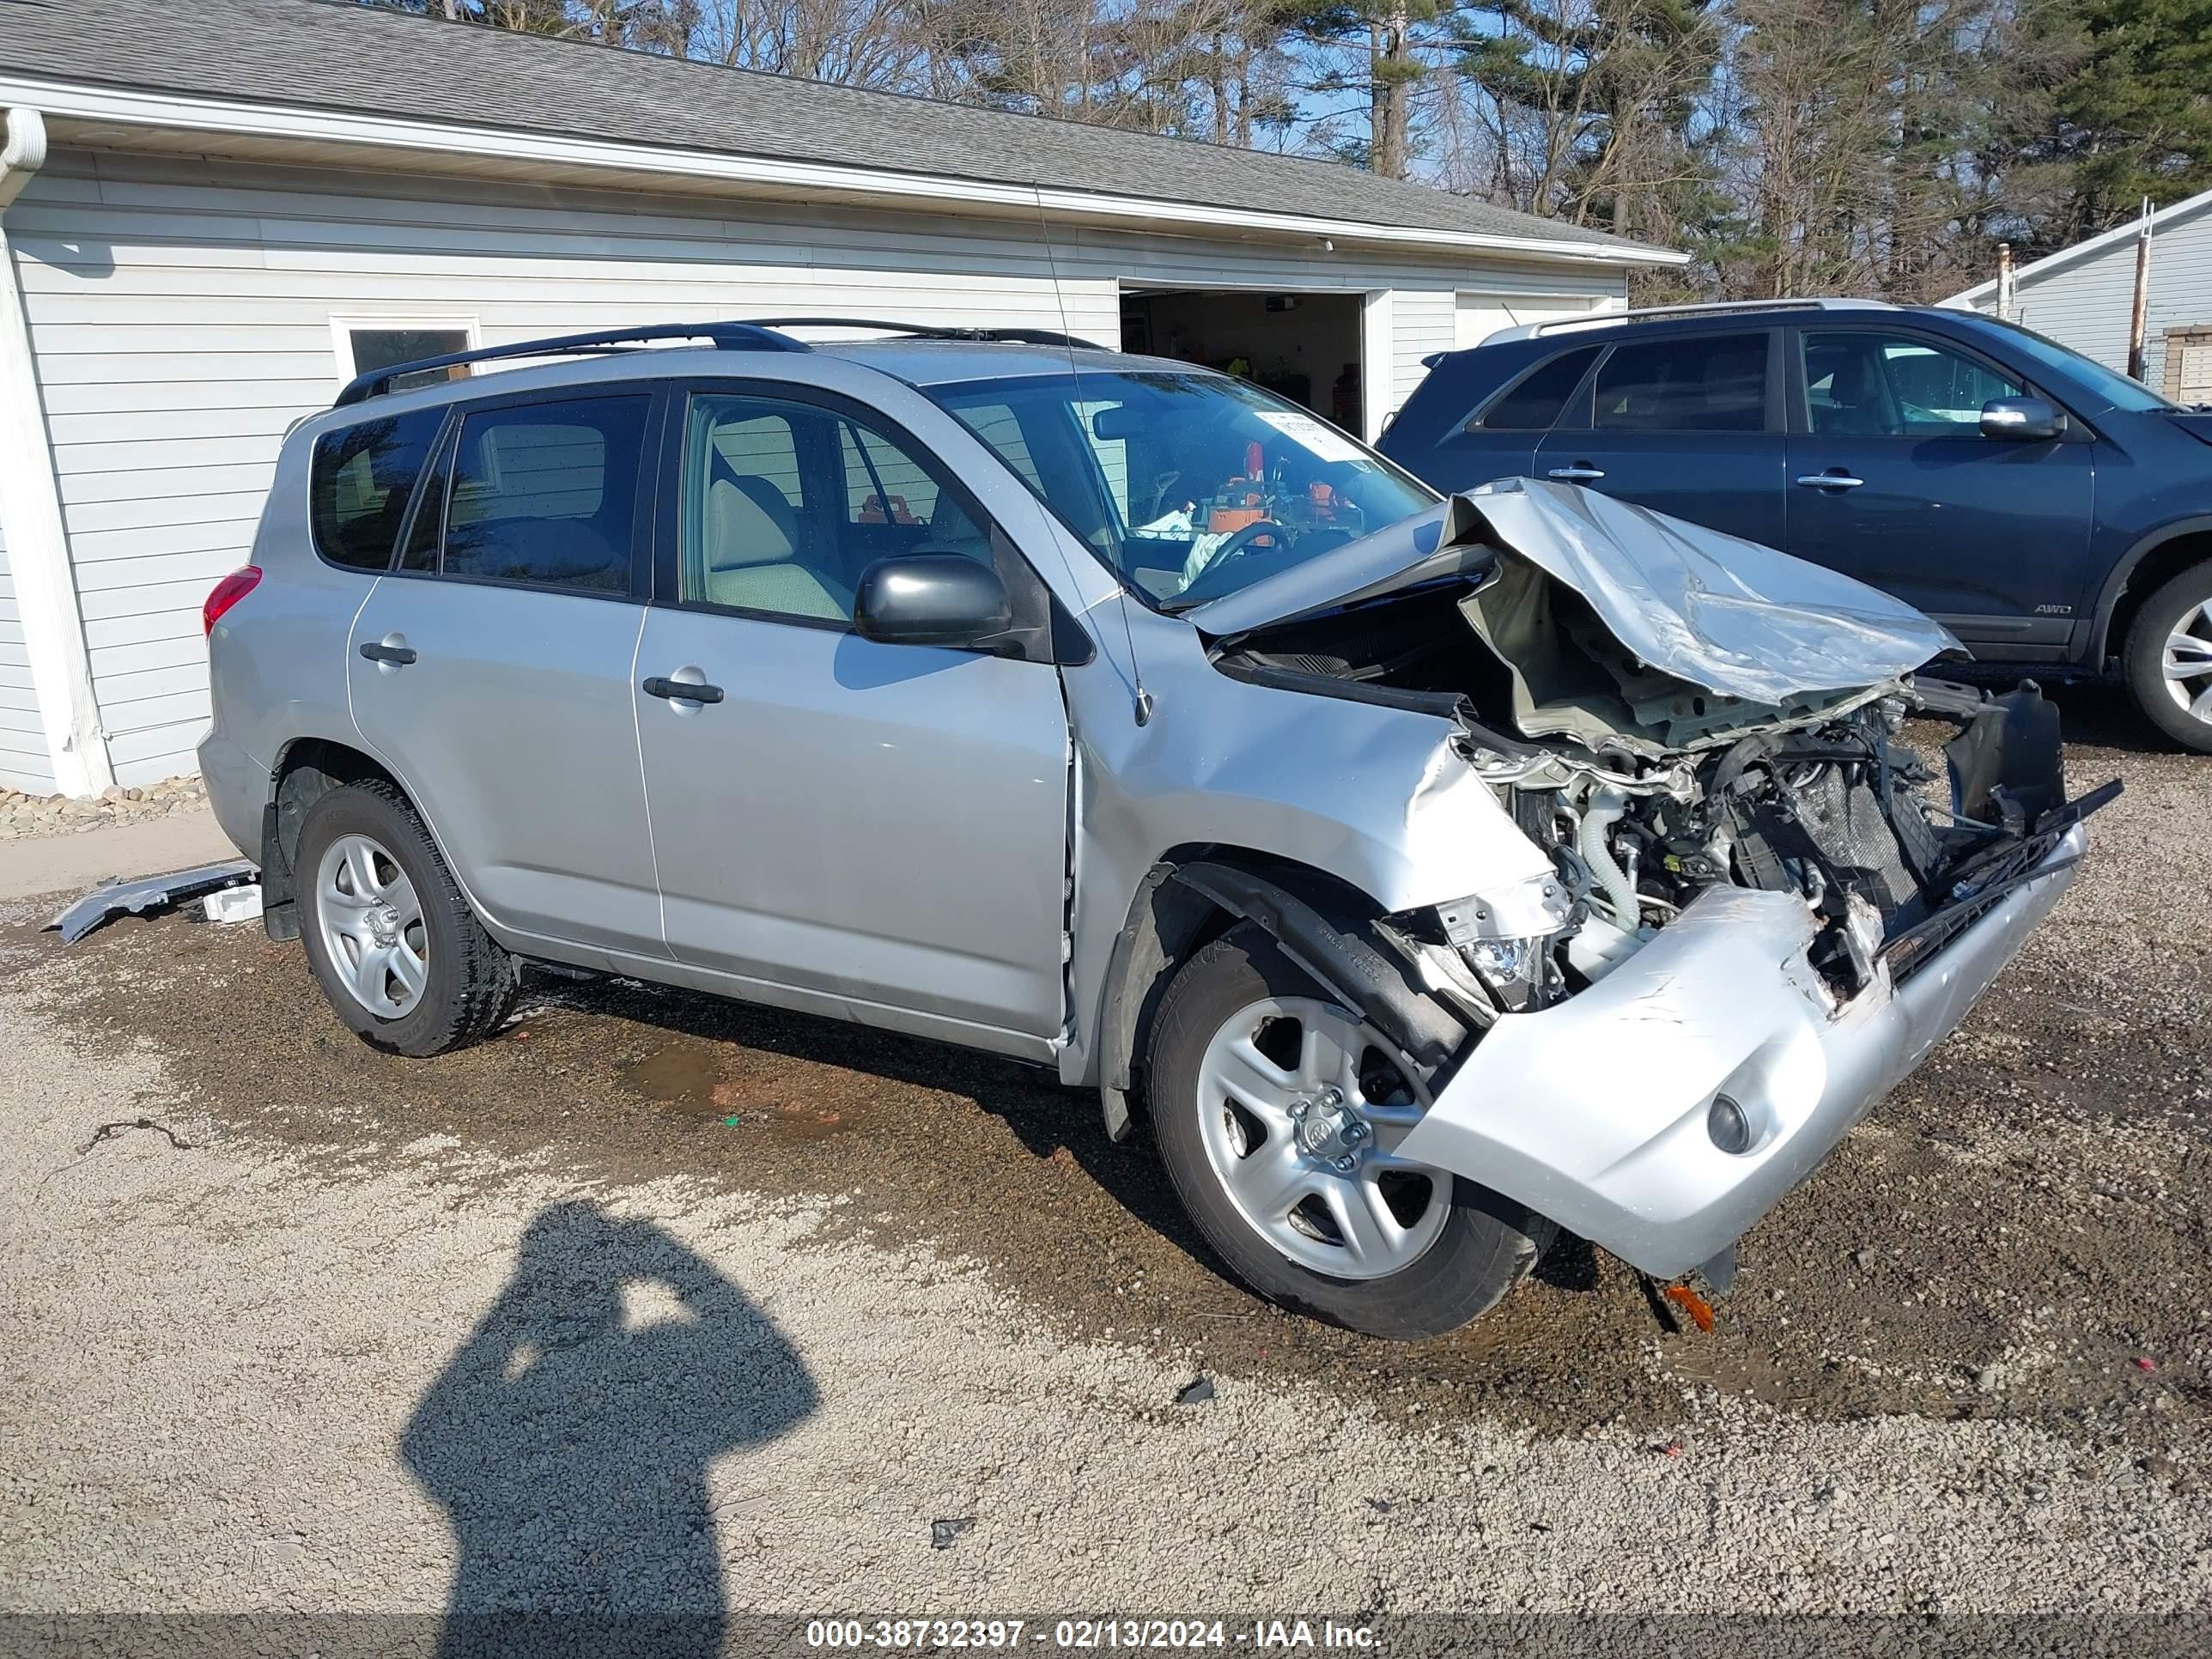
x: 1241, y: 542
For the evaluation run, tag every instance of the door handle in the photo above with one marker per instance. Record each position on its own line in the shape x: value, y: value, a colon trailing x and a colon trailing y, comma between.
x: 377, y: 651
x: 1837, y: 479
x: 681, y: 690
x: 1580, y: 473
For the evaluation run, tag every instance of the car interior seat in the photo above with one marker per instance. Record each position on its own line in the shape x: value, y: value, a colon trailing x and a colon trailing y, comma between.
x: 753, y: 558
x: 1855, y: 404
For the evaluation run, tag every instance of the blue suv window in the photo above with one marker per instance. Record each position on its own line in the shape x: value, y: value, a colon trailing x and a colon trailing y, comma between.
x: 1534, y: 403
x: 1862, y: 384
x: 1700, y: 383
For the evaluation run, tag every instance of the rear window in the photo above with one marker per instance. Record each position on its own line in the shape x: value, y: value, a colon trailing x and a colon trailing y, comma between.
x: 1705, y: 383
x: 358, y: 484
x: 1535, y: 403
x: 547, y: 493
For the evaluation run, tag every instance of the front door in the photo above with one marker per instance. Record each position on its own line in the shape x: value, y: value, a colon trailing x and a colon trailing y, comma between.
x: 491, y: 672
x: 1688, y: 424
x: 881, y: 826
x: 1892, y: 482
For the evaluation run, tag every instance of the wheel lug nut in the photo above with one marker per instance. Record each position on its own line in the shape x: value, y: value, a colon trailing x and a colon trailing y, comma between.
x: 1346, y: 1165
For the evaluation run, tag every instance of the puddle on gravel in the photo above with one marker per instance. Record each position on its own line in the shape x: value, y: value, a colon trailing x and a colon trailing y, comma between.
x: 697, y: 1078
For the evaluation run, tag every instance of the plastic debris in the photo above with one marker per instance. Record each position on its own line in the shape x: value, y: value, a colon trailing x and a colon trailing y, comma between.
x: 234, y: 904
x: 1699, y: 1310
x: 148, y: 893
x: 2145, y: 1362
x: 731, y: 1121
x: 942, y: 1532
x: 1196, y: 1393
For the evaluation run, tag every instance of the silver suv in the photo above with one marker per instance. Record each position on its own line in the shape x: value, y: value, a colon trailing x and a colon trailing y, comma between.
x: 1432, y: 873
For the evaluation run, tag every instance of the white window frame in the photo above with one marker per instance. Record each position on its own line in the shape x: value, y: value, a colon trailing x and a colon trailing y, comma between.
x: 344, y: 323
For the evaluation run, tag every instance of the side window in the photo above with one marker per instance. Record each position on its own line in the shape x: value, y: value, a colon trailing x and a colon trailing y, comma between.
x: 882, y: 486
x: 784, y: 505
x: 1537, y: 402
x: 1870, y: 385
x: 547, y: 493
x: 374, y: 347
x: 1706, y: 382
x: 358, y: 483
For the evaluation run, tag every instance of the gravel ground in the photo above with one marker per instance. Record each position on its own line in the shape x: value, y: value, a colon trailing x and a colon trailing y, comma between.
x: 22, y: 815
x: 539, y: 1325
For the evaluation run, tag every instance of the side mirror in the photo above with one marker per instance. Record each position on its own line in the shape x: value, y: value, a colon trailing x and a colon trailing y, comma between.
x: 2021, y: 419
x: 932, y: 598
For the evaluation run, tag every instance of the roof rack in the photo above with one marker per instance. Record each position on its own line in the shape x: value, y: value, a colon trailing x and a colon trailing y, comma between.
x: 928, y: 331
x: 1662, y: 313
x: 725, y: 337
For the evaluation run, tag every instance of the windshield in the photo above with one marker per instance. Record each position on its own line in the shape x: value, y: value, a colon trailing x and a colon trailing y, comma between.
x: 1188, y: 486
x: 2116, y: 388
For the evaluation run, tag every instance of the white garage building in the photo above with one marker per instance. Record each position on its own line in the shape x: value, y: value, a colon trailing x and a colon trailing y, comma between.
x: 214, y: 212
x: 2084, y: 296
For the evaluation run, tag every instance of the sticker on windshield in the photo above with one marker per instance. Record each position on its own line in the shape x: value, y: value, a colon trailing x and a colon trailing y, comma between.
x: 1324, y: 442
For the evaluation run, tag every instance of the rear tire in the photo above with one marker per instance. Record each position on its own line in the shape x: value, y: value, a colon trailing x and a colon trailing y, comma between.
x: 1456, y: 1247
x: 2169, y: 659
x: 403, y: 959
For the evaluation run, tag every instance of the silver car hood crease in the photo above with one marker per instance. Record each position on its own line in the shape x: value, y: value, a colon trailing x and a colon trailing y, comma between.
x: 1723, y: 614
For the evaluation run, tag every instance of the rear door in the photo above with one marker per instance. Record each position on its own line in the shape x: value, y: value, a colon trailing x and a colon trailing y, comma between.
x: 1455, y: 442
x: 491, y: 672
x: 1687, y: 423
x: 879, y: 827
x: 1892, y: 482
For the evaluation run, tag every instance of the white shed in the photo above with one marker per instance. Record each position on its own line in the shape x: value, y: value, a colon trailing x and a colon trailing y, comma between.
x: 2084, y: 296
x: 214, y: 212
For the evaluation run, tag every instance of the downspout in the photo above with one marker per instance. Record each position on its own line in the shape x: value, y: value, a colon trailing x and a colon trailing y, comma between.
x: 31, y: 511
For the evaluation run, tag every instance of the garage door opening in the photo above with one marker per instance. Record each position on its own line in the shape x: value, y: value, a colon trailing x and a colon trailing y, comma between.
x: 1303, y: 347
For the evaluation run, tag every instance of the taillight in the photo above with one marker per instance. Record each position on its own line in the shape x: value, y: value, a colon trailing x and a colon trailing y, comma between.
x: 229, y: 591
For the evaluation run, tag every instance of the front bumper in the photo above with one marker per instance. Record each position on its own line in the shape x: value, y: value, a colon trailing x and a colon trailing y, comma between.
x: 1593, y: 1112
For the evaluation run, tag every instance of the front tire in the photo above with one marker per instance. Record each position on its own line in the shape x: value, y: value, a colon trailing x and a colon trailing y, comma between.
x: 2169, y: 659
x: 1277, y: 1111
x: 401, y: 957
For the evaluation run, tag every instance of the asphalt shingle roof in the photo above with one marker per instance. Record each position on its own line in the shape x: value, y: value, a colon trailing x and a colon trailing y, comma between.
x: 346, y: 57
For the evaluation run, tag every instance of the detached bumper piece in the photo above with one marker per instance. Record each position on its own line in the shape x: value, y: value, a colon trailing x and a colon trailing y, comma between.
x: 136, y: 898
x: 1601, y: 1111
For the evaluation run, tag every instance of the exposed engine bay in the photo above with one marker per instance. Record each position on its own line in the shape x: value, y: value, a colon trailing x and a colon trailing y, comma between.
x: 1685, y: 711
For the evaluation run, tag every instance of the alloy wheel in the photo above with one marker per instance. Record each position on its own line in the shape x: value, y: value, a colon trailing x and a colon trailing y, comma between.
x: 372, y: 926
x: 2188, y: 662
x: 1302, y: 1111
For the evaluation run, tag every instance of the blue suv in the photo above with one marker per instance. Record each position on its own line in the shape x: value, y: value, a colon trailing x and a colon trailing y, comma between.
x: 2045, y: 508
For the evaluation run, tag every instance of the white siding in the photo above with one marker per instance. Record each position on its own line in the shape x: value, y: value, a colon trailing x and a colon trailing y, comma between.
x: 182, y: 314
x: 2086, y: 302
x: 24, y: 763
x: 1420, y: 326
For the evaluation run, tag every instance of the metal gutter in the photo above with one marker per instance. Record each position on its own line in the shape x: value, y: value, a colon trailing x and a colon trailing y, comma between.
x: 31, y: 510
x: 132, y: 107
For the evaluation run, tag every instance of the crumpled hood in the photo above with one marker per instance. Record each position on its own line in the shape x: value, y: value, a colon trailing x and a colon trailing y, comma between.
x: 1721, y: 613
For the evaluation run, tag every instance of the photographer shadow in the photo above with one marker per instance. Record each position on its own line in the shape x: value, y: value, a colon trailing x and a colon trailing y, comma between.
x: 569, y: 1442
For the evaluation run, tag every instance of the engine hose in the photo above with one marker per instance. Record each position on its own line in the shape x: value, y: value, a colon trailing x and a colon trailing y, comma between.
x: 1604, y: 810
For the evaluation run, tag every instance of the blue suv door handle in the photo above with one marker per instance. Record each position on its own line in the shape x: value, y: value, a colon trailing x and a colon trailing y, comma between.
x: 1580, y: 472
x: 1835, y: 479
